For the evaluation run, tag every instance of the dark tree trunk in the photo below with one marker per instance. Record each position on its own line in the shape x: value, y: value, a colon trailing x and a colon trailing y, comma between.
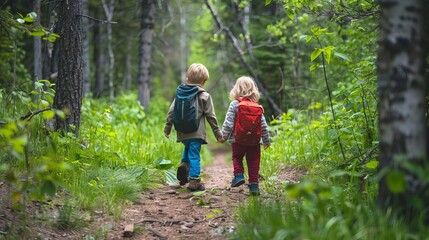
x: 145, y: 52
x: 403, y: 104
x: 68, y: 95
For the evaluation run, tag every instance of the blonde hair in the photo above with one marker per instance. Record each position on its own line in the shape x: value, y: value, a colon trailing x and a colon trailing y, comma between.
x: 245, y: 87
x: 197, y: 74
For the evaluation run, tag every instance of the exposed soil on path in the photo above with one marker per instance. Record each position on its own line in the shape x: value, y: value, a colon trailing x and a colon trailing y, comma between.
x: 169, y: 212
x: 175, y: 213
x: 172, y: 212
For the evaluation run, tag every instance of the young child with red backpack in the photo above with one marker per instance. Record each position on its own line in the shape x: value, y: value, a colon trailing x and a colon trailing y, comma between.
x: 244, y: 127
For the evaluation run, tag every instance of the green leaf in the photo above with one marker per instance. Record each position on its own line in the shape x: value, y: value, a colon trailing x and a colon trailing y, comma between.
x: 313, y: 67
x: 171, y: 177
x: 267, y: 2
x: 328, y: 53
x: 38, y: 33
x: 342, y: 56
x: 29, y: 19
x: 33, y: 15
x: 48, y: 188
x: 396, y: 181
x: 48, y: 115
x: 315, y: 54
x: 20, y: 20
x: 372, y: 164
x: 198, y: 194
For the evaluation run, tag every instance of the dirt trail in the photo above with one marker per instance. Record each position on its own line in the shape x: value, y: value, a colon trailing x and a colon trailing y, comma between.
x: 174, y: 213
x: 163, y: 213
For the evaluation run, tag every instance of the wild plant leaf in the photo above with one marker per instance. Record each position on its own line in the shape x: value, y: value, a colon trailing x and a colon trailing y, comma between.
x: 198, y: 193
x: 170, y: 176
x: 396, y: 181
x: 48, y: 188
x: 372, y: 164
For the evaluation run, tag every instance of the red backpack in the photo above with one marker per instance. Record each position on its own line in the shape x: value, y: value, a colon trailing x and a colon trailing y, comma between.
x: 247, y: 129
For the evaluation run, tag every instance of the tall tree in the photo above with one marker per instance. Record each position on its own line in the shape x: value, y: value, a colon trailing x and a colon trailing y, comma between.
x: 145, y: 51
x: 37, y: 45
x: 99, y: 58
x: 68, y: 95
x: 108, y: 11
x: 85, y: 48
x: 402, y: 105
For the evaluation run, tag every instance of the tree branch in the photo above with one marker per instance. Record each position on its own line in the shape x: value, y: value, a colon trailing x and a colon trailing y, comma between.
x: 98, y: 20
x: 276, y: 110
x: 31, y: 114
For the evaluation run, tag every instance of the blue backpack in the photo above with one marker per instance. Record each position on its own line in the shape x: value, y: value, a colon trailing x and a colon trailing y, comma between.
x: 185, y: 114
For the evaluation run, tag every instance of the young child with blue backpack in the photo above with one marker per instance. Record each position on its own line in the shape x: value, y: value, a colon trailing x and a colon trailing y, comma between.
x: 188, y: 112
x: 244, y: 127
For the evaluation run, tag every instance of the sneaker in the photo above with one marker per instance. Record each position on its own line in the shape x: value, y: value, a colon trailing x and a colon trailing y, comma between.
x: 238, y: 180
x: 196, y: 185
x: 182, y: 173
x: 254, y: 189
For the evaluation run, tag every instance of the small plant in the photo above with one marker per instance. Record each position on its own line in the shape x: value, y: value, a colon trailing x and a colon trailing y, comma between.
x: 68, y: 218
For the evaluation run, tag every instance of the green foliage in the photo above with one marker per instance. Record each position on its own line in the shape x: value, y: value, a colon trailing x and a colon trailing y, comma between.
x: 69, y: 218
x: 318, y: 210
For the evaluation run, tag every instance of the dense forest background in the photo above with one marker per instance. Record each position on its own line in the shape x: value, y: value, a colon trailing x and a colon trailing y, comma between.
x: 85, y: 87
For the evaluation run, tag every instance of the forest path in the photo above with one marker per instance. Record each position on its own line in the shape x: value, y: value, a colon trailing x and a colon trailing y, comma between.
x: 172, y: 212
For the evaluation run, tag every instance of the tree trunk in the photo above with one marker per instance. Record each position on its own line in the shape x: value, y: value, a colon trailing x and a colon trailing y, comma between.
x: 68, y: 95
x: 108, y: 10
x: 48, y: 48
x: 128, y: 66
x: 145, y: 52
x: 403, y: 104
x: 85, y: 49
x: 98, y: 60
x: 37, y: 42
x: 183, y: 43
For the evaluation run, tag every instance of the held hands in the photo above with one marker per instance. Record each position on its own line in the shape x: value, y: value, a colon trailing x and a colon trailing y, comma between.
x: 266, y: 145
x: 221, y: 140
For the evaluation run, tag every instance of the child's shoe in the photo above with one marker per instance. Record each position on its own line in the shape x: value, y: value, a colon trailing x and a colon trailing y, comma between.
x: 238, y: 180
x: 182, y: 173
x: 195, y: 184
x: 254, y: 189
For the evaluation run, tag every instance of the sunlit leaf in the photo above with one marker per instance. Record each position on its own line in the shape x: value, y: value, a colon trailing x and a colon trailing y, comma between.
x: 315, y: 54
x: 372, y: 164
x: 48, y: 115
x: 396, y: 181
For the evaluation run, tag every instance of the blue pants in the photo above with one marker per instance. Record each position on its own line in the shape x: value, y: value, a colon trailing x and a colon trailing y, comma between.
x: 191, y: 154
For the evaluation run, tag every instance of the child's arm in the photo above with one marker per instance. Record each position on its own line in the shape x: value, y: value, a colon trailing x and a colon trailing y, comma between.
x: 169, y: 122
x: 228, y: 123
x: 210, y: 115
x: 265, y: 133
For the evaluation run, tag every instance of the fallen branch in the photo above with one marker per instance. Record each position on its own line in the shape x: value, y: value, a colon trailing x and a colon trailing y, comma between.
x: 156, y: 233
x: 211, y: 220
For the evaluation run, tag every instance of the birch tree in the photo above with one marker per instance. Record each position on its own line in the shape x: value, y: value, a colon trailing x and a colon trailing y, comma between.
x: 145, y: 51
x: 402, y: 105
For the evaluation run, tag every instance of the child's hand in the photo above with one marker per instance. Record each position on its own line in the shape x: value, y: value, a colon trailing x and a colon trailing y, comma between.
x: 167, y: 135
x: 221, y: 140
x: 266, y: 145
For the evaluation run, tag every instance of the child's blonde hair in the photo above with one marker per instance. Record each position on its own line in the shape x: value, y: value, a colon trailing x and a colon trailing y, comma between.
x: 197, y: 74
x: 245, y: 87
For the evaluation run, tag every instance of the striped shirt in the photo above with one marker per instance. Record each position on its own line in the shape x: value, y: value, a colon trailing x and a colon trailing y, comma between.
x: 228, y: 124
